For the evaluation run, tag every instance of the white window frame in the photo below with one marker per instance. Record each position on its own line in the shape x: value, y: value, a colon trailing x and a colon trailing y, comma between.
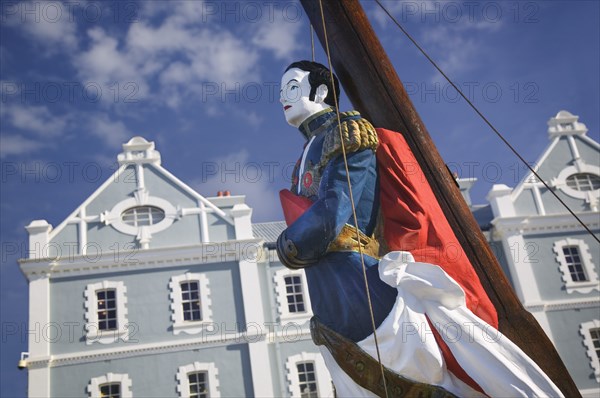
x: 183, y: 383
x: 179, y: 324
x: 122, y: 378
x: 142, y: 233
x: 584, y: 330
x: 93, y: 332
x: 560, y: 181
x: 281, y: 295
x: 586, y: 261
x: 323, y: 378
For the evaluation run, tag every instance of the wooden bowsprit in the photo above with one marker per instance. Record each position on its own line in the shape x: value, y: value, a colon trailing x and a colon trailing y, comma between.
x: 371, y: 83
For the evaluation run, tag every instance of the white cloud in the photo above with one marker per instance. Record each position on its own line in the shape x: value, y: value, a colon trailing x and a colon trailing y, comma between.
x: 279, y: 36
x: 50, y: 23
x: 17, y: 145
x: 108, y: 66
x: 449, y: 32
x: 35, y: 119
x: 113, y: 133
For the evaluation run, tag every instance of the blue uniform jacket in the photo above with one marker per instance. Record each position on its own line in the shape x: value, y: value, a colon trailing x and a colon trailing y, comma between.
x: 335, y: 279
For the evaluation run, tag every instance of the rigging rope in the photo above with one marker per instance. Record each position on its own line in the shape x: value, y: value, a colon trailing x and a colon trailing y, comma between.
x: 487, y: 121
x: 360, y: 249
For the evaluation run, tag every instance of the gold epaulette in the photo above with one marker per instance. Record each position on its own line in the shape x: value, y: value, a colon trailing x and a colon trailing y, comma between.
x: 357, y: 134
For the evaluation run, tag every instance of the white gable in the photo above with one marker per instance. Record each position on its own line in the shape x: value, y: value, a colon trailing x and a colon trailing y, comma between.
x: 569, y: 166
x: 140, y: 206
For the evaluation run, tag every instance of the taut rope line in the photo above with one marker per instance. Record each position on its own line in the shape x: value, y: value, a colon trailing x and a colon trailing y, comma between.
x: 487, y: 121
x: 360, y: 249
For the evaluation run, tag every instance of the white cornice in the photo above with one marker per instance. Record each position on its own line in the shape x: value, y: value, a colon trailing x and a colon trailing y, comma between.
x: 546, y: 223
x: 300, y: 332
x: 559, y: 305
x: 206, y: 253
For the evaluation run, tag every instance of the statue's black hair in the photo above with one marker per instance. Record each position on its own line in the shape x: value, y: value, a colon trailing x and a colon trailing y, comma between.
x: 318, y: 74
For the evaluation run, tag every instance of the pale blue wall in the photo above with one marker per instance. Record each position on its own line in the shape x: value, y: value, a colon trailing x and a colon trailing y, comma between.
x: 66, y: 243
x: 120, y: 188
x: 546, y: 268
x: 160, y: 186
x: 525, y: 204
x: 148, y: 304
x: 183, y: 232
x: 219, y: 229
x: 553, y: 206
x: 559, y: 158
x: 587, y: 151
x: 109, y: 239
x: 155, y: 375
x: 569, y: 343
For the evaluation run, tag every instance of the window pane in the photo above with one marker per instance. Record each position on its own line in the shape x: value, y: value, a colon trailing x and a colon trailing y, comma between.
x: 584, y: 181
x: 198, y: 384
x: 595, y: 334
x: 110, y: 390
x: 295, y: 295
x: 107, y: 309
x: 142, y: 215
x: 190, y: 301
x: 573, y: 260
x: 307, y: 380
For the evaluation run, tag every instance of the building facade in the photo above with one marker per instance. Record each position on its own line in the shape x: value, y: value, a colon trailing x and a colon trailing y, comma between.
x: 149, y: 289
x: 552, y: 261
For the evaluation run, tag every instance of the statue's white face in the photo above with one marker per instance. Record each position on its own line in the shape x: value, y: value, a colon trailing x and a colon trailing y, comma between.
x: 294, y: 93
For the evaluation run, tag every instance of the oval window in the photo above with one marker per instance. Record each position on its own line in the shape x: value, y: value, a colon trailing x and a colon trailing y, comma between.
x: 583, y: 181
x: 140, y: 216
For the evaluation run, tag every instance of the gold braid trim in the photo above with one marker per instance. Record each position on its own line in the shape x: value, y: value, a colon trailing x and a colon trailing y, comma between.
x: 358, y: 134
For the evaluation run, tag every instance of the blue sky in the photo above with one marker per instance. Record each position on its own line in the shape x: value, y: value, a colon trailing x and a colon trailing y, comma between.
x: 201, y: 79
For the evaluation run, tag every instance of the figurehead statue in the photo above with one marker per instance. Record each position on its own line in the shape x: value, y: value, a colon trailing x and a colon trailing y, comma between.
x: 305, y: 90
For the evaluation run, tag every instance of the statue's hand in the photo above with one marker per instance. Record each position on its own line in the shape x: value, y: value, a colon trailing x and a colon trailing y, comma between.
x: 288, y: 253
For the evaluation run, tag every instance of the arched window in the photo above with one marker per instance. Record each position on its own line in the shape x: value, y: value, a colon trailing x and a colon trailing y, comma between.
x: 190, y: 303
x: 111, y: 385
x: 308, y: 376
x: 198, y: 380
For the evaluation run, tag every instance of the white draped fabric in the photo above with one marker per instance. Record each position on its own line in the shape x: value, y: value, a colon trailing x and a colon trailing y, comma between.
x: 407, y: 344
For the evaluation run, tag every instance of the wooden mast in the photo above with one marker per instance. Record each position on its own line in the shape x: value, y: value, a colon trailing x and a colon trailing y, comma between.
x: 371, y: 83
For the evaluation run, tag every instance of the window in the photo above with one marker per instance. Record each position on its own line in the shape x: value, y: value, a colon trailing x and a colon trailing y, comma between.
x: 583, y: 182
x: 198, y: 384
x: 190, y: 303
x: 111, y: 385
x: 293, y: 301
x: 307, y: 380
x: 308, y: 376
x: 573, y: 260
x: 190, y: 300
x: 106, y: 312
x: 294, y: 293
x: 110, y: 390
x: 198, y: 380
x: 580, y: 181
x: 575, y: 264
x: 567, y: 126
x: 107, y: 309
x: 143, y: 215
x: 595, y: 336
x: 591, y: 340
